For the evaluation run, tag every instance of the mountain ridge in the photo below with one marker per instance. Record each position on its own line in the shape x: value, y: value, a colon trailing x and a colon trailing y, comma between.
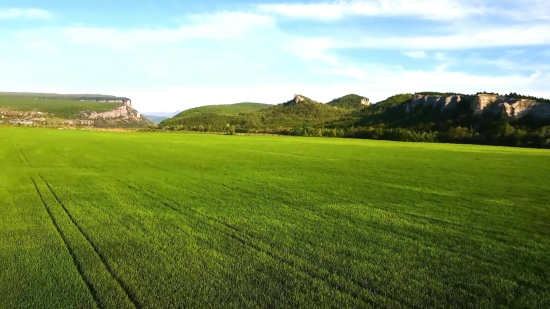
x: 483, y: 118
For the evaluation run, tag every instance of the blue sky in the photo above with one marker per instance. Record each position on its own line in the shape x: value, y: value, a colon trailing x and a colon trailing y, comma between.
x: 173, y: 55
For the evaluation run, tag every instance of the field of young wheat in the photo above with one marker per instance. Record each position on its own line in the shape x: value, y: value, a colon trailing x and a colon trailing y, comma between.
x: 151, y: 220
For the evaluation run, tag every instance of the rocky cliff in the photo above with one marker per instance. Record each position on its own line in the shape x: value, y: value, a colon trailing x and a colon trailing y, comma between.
x: 123, y: 112
x: 491, y: 104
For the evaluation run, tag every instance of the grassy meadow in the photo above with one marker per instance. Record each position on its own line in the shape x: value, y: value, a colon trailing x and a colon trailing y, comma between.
x: 150, y: 220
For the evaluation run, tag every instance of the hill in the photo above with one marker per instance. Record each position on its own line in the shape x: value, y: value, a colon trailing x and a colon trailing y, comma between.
x: 41, y: 109
x: 482, y: 118
x: 226, y: 109
x: 298, y: 112
x: 351, y: 101
x: 76, y: 97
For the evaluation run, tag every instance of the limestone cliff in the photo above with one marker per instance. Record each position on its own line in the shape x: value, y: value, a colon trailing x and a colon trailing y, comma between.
x: 491, y: 104
x: 122, y: 112
x: 436, y: 102
x: 298, y: 98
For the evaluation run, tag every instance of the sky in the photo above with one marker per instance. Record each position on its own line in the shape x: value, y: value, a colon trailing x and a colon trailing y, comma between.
x: 172, y: 55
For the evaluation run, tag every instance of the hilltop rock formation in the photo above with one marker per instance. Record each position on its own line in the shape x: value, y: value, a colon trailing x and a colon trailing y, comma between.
x: 123, y: 112
x: 431, y: 101
x: 365, y: 101
x: 298, y: 98
x: 491, y: 104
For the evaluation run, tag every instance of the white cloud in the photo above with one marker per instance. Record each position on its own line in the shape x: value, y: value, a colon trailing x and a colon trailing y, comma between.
x: 463, y: 38
x: 312, y: 49
x: 425, y: 9
x: 211, y: 26
x: 16, y: 13
x: 415, y: 54
x: 443, y: 10
x: 250, y: 48
x: 525, y: 10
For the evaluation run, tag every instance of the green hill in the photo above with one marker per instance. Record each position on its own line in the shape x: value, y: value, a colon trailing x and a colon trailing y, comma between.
x: 226, y: 109
x: 350, y: 101
x: 56, y: 106
x: 68, y: 110
x: 296, y: 112
x: 300, y: 111
x: 54, y: 96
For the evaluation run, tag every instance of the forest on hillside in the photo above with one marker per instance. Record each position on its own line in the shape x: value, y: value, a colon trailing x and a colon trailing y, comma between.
x: 385, y: 120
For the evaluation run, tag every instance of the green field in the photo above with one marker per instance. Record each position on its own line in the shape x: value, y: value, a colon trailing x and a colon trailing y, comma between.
x: 152, y: 220
x: 58, y: 107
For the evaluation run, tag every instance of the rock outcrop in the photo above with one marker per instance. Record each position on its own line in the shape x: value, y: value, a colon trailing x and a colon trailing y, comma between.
x: 365, y: 101
x: 298, y: 98
x: 122, y: 112
x: 432, y: 101
x: 483, y: 104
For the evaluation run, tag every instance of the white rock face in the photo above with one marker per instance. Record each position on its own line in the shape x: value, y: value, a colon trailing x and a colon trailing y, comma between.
x: 123, y: 112
x: 298, y: 98
x: 435, y: 102
x: 483, y: 103
x: 365, y: 101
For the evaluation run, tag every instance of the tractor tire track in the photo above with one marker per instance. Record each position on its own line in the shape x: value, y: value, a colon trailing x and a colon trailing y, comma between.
x: 27, y: 160
x: 248, y: 240
x: 131, y: 296
x: 20, y: 160
x: 76, y: 262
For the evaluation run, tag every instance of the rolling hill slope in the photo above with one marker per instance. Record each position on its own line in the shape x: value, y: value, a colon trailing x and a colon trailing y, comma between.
x: 296, y: 112
x: 227, y: 109
x: 350, y: 101
x: 41, y: 109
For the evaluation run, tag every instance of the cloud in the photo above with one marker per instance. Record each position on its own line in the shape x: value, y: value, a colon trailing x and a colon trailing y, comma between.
x: 228, y: 57
x: 463, y: 38
x: 424, y: 9
x: 439, y: 10
x: 312, y: 49
x: 226, y: 25
x: 525, y: 10
x: 415, y: 54
x: 16, y: 13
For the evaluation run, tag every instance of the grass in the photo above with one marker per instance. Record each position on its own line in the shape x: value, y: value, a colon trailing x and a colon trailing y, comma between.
x: 149, y: 220
x: 57, y: 107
